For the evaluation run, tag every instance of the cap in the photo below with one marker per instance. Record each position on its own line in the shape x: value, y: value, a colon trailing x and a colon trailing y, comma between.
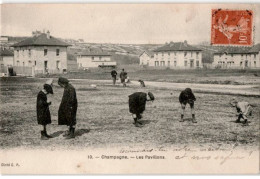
x: 48, y: 88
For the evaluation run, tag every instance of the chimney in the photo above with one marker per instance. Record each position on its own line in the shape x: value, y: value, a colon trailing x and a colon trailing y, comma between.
x: 48, y: 34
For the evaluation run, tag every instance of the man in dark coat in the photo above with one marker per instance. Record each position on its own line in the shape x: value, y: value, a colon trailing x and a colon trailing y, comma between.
x: 187, y: 97
x: 123, y: 77
x: 137, y: 102
x: 43, y: 112
x: 113, y: 74
x: 68, y: 107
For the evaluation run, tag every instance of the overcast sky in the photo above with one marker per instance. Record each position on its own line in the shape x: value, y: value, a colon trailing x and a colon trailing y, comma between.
x: 111, y: 23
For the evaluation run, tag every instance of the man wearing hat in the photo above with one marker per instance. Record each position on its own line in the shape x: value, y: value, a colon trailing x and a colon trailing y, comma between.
x: 43, y: 112
x: 113, y: 74
x: 123, y: 77
x: 68, y: 107
x: 137, y: 102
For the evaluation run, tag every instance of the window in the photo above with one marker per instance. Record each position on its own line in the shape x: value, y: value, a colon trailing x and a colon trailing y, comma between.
x: 34, y: 63
x: 58, y: 64
x: 185, y: 54
x: 219, y: 55
x: 23, y: 53
x: 100, y: 58
x: 57, y: 52
x: 162, y: 63
x: 254, y: 56
x: 156, y: 63
x: 45, y: 52
x: 185, y: 63
x: 29, y: 52
x: 197, y: 55
x: 92, y: 58
x: 169, y: 53
x: 175, y: 53
x: 254, y: 63
x: 169, y: 63
x: 232, y: 55
x: 197, y: 63
x: 162, y: 54
x: 175, y: 63
x: 17, y: 53
x: 241, y: 63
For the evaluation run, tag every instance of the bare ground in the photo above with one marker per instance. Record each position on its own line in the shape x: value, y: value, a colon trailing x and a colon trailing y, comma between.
x: 103, y: 119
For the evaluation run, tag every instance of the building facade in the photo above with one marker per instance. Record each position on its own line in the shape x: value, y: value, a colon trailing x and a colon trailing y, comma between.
x: 94, y: 59
x: 238, y: 58
x: 6, y: 58
x: 178, y: 55
x: 145, y: 58
x: 42, y: 52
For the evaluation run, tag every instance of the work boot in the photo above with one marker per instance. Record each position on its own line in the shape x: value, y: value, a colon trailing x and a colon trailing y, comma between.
x: 45, y: 132
x: 43, y: 136
x: 135, y: 119
x: 193, y: 118
x: 66, y: 133
x: 245, y: 121
x: 181, y: 120
x: 237, y: 121
x: 71, y: 135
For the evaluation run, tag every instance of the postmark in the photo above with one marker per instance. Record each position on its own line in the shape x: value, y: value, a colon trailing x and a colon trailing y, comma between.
x: 232, y: 27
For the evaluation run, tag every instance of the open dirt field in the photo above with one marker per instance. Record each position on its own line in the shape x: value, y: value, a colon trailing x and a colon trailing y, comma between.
x: 103, y: 118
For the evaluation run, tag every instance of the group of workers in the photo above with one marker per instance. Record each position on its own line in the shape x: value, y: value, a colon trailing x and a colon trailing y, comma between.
x: 137, y: 102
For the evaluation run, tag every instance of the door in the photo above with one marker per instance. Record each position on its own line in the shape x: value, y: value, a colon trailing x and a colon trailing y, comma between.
x: 191, y: 63
x: 46, y: 66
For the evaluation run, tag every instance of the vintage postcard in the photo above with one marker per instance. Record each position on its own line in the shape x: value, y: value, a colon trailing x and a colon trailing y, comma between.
x: 130, y: 88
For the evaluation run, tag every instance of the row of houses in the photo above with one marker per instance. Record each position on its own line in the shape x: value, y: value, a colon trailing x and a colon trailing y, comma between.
x: 181, y: 55
x: 43, y: 53
x: 237, y: 57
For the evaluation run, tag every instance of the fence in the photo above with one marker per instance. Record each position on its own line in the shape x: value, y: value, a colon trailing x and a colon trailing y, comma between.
x: 25, y: 71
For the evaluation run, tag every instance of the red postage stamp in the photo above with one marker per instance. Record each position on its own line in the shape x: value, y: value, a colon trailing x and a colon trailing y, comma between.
x: 232, y: 27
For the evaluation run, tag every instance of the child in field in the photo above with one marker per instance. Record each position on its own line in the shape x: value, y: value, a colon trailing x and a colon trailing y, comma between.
x: 187, y: 97
x: 43, y: 112
x: 137, y: 102
x: 244, y: 110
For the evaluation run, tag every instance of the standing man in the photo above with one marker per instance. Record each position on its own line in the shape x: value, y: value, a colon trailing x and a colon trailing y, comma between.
x: 113, y: 74
x: 187, y: 97
x: 137, y: 102
x: 68, y: 107
x: 123, y: 76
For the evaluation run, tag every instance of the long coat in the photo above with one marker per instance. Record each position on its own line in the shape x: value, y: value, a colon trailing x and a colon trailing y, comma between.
x: 68, y: 107
x: 186, y: 96
x: 42, y: 108
x: 137, y: 102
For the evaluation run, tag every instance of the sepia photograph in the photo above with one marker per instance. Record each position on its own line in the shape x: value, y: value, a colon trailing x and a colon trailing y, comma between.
x: 145, y: 88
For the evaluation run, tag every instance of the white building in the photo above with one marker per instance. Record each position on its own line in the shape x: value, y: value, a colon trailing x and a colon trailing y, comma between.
x: 178, y: 55
x: 93, y: 59
x: 6, y: 58
x: 42, y: 52
x: 238, y: 57
x: 145, y: 57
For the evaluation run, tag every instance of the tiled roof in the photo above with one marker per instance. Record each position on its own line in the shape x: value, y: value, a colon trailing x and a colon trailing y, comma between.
x: 41, y: 40
x: 94, y: 53
x: 234, y: 50
x: 255, y: 49
x: 149, y: 53
x: 6, y: 52
x: 177, y: 46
